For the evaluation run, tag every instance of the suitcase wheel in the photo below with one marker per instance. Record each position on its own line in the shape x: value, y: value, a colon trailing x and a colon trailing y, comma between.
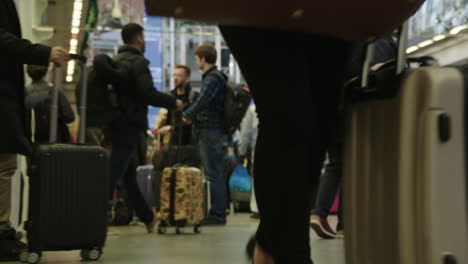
x: 161, y: 230
x: 196, y: 229
x: 24, y: 256
x: 91, y: 255
x: 30, y: 257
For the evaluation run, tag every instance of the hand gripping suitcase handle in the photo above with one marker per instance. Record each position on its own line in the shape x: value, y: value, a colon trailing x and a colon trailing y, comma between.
x: 401, y: 55
x: 58, y: 83
x: 77, y: 57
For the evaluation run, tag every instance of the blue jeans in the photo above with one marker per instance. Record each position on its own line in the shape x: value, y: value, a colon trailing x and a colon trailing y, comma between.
x: 210, y: 144
x: 330, y: 184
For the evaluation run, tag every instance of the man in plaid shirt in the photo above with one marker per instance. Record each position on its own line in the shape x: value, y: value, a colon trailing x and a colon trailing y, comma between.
x: 207, y: 115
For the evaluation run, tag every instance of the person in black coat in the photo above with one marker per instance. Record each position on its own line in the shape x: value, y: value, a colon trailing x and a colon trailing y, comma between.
x: 15, y: 132
x: 135, y: 95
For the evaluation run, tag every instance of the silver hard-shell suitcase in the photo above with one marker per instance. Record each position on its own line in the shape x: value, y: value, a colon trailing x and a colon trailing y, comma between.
x: 405, y: 167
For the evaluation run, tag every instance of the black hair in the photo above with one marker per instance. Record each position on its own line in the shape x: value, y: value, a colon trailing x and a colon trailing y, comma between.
x: 130, y: 32
x: 37, y: 73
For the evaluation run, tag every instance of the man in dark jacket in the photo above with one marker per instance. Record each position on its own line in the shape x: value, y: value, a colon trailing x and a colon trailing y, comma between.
x: 207, y: 113
x: 15, y: 133
x: 184, y: 92
x: 135, y: 95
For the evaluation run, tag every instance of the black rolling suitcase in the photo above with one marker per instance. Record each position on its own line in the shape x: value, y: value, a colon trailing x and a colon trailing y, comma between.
x: 68, y: 192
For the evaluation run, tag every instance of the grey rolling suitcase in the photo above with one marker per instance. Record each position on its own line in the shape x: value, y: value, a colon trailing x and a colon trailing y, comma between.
x: 405, y: 167
x: 68, y: 197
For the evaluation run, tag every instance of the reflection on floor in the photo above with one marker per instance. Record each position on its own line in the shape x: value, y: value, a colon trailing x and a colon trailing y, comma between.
x: 214, y: 245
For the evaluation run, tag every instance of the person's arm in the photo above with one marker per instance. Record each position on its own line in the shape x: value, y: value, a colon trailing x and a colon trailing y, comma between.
x: 22, y: 50
x: 66, y: 113
x: 145, y: 91
x: 210, y: 87
x: 110, y: 70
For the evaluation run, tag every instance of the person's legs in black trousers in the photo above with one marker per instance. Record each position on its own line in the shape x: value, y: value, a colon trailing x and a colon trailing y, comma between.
x: 329, y: 186
x: 124, y: 142
x: 142, y: 210
x: 296, y: 81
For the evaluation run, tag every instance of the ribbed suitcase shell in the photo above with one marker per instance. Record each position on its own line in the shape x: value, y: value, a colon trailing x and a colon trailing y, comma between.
x: 68, y: 198
x: 405, y: 185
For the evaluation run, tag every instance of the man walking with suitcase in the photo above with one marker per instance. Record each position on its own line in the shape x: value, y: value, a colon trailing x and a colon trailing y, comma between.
x: 14, y: 135
x: 124, y: 134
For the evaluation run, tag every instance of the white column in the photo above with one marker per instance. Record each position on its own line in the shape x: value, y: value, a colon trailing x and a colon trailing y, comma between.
x: 183, y: 47
x: 172, y: 50
x: 200, y: 35
x: 232, y: 68
x: 218, y: 47
x: 238, y: 72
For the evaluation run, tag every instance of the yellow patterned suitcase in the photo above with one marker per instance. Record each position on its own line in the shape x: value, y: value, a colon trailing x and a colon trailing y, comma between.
x: 183, y: 199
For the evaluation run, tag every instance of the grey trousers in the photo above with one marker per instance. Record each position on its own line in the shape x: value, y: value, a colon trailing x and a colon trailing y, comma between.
x: 7, y: 170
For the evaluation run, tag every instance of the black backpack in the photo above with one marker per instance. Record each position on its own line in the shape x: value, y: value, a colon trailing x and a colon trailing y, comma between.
x: 237, y: 100
x: 42, y: 120
x: 102, y: 100
x: 41, y: 105
x: 236, y: 103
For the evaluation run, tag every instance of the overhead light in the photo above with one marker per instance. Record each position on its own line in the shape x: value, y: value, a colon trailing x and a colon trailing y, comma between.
x: 77, y: 14
x: 458, y: 29
x: 78, y: 5
x: 70, y: 70
x: 76, y: 22
x: 75, y: 30
x: 71, y: 67
x: 438, y: 37
x: 425, y: 43
x: 69, y: 78
x: 73, y: 42
x: 412, y: 49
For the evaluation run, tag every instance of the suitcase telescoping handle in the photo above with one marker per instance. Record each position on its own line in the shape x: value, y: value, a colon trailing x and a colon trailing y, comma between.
x: 58, y: 82
x: 401, y: 55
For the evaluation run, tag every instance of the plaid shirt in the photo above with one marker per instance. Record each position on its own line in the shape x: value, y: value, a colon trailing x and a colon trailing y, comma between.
x: 208, y: 110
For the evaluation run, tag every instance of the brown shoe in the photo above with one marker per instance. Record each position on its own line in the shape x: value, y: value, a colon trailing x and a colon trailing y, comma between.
x: 150, y: 226
x: 339, y: 233
x: 321, y: 227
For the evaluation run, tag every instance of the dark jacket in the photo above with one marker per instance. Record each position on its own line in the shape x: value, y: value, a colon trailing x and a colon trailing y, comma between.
x: 208, y: 110
x: 139, y: 91
x: 174, y: 118
x: 15, y: 132
x: 39, y: 99
x: 102, y: 104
